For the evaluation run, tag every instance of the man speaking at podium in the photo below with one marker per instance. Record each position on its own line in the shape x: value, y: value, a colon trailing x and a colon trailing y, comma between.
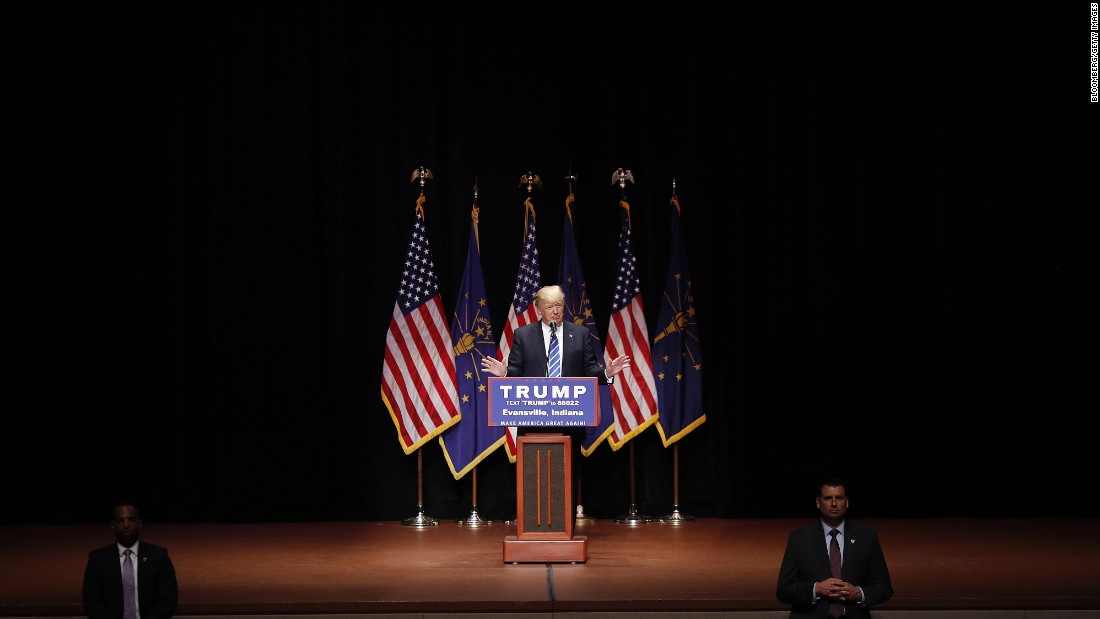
x: 531, y: 346
x: 532, y: 355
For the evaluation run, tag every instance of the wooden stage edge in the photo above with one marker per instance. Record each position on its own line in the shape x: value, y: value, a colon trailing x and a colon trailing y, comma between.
x: 942, y: 568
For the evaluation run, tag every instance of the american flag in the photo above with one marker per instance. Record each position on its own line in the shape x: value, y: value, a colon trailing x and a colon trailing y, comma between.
x: 471, y: 440
x: 522, y: 309
x: 633, y: 395
x: 418, y: 376
x: 678, y: 358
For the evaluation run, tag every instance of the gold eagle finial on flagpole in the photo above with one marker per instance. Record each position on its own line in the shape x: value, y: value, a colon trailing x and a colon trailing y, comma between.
x: 422, y: 173
x: 620, y: 177
x: 531, y: 180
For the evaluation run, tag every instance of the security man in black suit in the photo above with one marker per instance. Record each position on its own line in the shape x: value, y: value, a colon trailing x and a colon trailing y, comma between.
x: 806, y: 579
x: 153, y: 576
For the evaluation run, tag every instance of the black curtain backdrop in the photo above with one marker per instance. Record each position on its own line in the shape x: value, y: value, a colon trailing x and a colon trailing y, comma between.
x: 885, y: 210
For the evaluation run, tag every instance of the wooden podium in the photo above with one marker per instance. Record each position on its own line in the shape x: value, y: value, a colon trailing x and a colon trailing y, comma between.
x: 544, y: 472
x: 544, y: 503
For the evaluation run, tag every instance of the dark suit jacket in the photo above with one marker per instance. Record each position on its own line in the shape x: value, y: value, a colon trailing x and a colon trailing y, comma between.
x: 578, y: 357
x: 158, y: 591
x: 806, y: 561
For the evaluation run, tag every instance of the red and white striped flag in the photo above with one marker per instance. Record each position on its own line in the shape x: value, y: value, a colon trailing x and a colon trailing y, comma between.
x: 418, y: 376
x: 634, y: 393
x: 522, y: 309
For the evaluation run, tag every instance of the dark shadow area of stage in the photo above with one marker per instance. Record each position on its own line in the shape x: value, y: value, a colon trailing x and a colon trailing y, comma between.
x: 699, y: 565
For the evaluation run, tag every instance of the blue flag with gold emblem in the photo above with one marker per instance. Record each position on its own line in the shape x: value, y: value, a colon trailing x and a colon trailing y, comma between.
x: 677, y: 356
x: 468, y: 442
x: 578, y: 308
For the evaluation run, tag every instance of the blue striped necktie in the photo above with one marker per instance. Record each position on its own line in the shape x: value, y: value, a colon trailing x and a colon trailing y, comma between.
x: 553, y: 358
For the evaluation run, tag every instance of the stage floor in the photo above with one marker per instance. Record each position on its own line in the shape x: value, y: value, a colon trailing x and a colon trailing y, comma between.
x: 701, y: 565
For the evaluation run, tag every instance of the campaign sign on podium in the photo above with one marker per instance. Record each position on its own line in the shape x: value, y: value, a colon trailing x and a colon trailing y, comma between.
x: 544, y: 471
x: 544, y: 403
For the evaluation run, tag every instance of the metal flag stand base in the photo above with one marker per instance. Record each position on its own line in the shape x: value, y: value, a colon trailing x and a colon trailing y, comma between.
x: 632, y: 517
x: 475, y: 519
x: 420, y: 519
x: 676, y: 517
